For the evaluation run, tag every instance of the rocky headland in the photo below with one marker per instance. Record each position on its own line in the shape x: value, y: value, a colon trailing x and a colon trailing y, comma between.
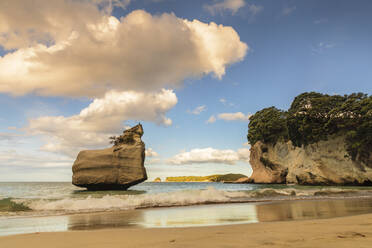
x: 212, y: 178
x: 118, y: 167
x: 320, y: 140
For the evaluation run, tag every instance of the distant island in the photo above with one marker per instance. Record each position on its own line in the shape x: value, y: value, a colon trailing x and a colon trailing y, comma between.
x: 321, y: 139
x: 157, y: 180
x: 212, y: 178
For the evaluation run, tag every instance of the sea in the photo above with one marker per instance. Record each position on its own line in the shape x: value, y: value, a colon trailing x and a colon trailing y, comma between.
x: 31, y: 207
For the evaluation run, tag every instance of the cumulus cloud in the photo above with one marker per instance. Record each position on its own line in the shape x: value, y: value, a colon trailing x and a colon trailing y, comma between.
x: 238, y: 116
x: 151, y: 153
x: 198, y: 110
x: 210, y: 155
x: 28, y: 23
x: 77, y: 48
x: 230, y: 5
x: 101, y: 119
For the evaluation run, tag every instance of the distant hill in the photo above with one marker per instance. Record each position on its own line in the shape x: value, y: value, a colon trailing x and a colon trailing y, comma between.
x: 212, y: 178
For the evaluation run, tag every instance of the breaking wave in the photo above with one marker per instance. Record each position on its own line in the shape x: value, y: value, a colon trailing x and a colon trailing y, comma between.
x: 124, y: 202
x: 170, y: 199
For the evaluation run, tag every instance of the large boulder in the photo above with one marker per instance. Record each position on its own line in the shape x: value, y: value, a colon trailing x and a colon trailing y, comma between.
x: 118, y: 167
x: 322, y: 163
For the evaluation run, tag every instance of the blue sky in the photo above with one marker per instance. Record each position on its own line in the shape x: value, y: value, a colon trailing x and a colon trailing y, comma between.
x: 294, y: 46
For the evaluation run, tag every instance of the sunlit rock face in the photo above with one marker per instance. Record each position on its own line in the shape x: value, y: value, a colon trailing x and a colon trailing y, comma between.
x: 118, y: 167
x: 323, y: 163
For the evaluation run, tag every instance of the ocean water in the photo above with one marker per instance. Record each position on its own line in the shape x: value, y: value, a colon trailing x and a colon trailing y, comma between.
x: 55, y: 198
x: 34, y: 207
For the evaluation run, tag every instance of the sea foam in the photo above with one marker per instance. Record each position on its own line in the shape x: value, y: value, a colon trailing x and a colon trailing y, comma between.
x: 125, y: 202
x: 181, y: 198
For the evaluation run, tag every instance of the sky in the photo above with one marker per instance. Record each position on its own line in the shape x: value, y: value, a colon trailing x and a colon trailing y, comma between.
x: 74, y: 72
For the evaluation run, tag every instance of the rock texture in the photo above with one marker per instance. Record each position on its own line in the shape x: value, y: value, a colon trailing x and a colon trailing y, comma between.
x: 118, y: 167
x: 322, y: 163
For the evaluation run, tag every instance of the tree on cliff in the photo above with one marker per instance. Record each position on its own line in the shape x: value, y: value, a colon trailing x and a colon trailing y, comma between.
x: 313, y: 117
x: 308, y: 117
x: 267, y: 125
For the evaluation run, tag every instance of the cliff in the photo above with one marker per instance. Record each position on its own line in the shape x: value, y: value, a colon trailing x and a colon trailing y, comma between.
x: 118, y: 167
x: 325, y: 162
x: 321, y: 139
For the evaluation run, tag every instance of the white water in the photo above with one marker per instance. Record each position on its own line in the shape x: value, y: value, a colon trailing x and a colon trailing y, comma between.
x: 60, y: 198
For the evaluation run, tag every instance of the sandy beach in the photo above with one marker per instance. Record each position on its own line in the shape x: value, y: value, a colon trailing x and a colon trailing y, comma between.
x: 352, y: 231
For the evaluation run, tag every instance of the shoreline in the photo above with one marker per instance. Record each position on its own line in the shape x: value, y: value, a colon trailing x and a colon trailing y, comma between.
x: 283, y: 199
x: 350, y: 231
x: 204, y: 215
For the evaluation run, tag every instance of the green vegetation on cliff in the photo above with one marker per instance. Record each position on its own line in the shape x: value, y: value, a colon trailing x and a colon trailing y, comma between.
x: 211, y: 178
x: 313, y: 117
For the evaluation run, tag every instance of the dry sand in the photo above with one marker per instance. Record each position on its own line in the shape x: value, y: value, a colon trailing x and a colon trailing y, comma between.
x: 352, y: 231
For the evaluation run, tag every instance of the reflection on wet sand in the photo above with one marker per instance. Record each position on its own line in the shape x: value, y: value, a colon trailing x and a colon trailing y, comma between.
x: 222, y: 214
x: 189, y: 216
x: 106, y: 220
x: 166, y: 217
x: 299, y: 210
x: 200, y: 215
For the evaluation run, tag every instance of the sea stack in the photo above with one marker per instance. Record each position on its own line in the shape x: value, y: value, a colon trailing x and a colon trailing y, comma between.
x: 115, y: 168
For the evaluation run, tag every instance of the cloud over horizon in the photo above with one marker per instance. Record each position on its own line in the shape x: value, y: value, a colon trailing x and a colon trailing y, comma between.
x: 101, y: 119
x: 78, y: 49
x: 210, y: 155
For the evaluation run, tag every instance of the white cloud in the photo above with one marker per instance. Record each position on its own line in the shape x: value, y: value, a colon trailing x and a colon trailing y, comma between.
x: 198, y: 110
x: 238, y: 116
x: 223, y: 101
x: 230, y: 5
x: 210, y: 155
x: 28, y: 23
x: 75, y: 48
x: 288, y: 10
x: 211, y: 119
x: 151, y: 153
x: 8, y: 136
x: 13, y: 158
x: 101, y: 119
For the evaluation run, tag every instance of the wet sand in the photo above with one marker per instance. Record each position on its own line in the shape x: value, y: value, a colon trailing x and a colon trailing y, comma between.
x: 351, y: 231
x: 190, y: 216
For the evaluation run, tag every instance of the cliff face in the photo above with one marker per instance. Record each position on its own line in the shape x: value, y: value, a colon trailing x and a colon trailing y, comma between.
x: 321, y: 163
x: 118, y: 167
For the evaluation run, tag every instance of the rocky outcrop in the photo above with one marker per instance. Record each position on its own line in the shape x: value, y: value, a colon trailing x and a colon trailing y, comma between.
x: 322, y: 163
x: 118, y: 167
